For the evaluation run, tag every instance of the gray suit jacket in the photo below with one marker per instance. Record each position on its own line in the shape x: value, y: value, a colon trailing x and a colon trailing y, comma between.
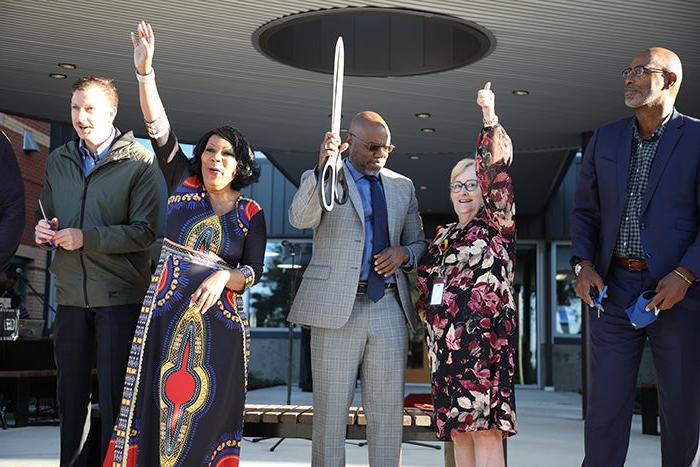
x: 327, y: 292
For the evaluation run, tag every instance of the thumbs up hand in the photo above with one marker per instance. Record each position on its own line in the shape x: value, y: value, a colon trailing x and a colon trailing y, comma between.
x: 486, y: 99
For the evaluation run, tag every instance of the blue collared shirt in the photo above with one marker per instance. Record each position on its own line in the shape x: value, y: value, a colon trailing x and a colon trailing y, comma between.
x: 366, y: 196
x: 91, y: 160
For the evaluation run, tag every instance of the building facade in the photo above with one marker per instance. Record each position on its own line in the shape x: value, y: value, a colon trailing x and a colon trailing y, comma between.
x: 550, y: 316
x: 30, y: 259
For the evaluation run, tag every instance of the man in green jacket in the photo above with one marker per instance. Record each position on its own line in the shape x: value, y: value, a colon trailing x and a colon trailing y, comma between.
x: 101, y: 197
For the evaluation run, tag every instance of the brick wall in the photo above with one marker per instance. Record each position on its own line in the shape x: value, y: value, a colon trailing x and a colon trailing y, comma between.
x: 32, y: 166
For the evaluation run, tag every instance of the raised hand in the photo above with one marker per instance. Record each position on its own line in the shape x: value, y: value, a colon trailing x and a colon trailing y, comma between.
x: 486, y: 99
x: 331, y: 145
x: 144, y: 47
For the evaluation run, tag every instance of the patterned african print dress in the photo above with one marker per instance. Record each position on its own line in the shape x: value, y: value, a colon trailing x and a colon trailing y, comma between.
x: 472, y: 335
x: 185, y: 385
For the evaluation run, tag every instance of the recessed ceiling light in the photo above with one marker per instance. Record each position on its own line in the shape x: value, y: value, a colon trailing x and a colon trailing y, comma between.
x: 67, y: 66
x: 521, y: 92
x: 57, y: 76
x: 343, y: 130
x: 428, y: 130
x: 414, y: 157
x: 423, y: 115
x: 423, y: 188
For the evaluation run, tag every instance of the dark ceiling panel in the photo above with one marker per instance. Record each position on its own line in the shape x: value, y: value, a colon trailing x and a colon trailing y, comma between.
x: 568, y: 54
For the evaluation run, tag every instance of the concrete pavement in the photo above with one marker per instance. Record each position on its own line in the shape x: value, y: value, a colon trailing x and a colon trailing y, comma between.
x: 551, y: 435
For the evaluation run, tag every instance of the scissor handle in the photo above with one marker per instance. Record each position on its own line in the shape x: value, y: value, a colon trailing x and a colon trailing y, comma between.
x: 341, y: 186
x: 326, y: 185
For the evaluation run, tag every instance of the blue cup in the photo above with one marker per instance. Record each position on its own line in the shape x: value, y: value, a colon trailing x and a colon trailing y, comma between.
x: 639, y: 317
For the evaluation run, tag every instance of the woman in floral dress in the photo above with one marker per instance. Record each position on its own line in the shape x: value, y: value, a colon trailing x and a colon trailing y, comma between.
x: 466, y: 301
x: 185, y: 385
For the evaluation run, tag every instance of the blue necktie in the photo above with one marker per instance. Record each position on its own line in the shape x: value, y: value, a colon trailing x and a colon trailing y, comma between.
x: 380, y: 237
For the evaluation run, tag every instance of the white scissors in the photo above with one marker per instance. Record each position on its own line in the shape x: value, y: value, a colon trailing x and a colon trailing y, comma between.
x: 332, y: 186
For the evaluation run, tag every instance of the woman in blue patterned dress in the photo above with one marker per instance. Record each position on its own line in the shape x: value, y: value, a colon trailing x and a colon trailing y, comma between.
x: 465, y: 284
x: 184, y: 391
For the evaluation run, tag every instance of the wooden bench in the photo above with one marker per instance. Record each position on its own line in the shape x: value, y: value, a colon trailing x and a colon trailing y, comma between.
x: 294, y: 421
x: 23, y: 381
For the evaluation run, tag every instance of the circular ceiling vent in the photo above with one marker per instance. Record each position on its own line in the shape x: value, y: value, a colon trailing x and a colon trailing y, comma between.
x: 378, y: 41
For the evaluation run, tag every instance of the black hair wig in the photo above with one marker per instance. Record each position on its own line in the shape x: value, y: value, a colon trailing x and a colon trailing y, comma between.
x: 247, y: 170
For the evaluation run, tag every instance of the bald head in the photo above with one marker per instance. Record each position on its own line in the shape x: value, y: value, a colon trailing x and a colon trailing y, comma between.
x: 368, y: 130
x: 656, y: 87
x: 366, y: 120
x: 667, y: 60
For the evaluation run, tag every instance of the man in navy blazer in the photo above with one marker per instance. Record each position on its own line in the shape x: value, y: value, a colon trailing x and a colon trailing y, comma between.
x: 635, y: 228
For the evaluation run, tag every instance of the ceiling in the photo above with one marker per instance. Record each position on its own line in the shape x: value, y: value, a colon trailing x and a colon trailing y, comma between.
x: 568, y: 54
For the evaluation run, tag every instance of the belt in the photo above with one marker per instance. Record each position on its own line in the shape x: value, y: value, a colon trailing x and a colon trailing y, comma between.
x: 633, y: 264
x: 362, y: 287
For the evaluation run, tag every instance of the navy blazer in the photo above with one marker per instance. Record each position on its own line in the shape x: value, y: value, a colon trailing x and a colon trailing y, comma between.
x: 670, y: 207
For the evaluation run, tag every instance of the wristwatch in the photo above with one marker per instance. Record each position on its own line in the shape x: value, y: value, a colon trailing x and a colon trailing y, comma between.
x: 576, y: 264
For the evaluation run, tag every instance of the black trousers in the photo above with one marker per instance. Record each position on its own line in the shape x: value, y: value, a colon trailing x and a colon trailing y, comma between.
x: 87, y: 338
x: 616, y: 352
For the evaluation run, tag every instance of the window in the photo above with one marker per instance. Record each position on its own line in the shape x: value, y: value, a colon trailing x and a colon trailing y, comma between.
x: 567, y: 305
x: 268, y: 303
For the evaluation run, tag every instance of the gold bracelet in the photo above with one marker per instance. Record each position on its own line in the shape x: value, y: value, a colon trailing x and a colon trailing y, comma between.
x: 683, y: 276
x: 248, y: 275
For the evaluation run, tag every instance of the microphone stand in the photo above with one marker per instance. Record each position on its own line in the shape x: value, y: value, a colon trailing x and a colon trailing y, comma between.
x: 290, y: 330
x: 37, y: 295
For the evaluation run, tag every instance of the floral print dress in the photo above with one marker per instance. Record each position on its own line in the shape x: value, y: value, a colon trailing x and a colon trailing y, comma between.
x: 472, y: 334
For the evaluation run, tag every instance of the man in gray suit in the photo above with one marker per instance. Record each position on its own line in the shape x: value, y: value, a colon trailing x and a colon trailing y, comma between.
x: 355, y: 296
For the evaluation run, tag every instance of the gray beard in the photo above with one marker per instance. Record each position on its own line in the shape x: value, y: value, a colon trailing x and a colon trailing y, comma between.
x: 637, y: 100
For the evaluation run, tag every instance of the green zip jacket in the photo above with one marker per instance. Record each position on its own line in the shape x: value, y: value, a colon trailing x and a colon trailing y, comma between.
x: 117, y: 207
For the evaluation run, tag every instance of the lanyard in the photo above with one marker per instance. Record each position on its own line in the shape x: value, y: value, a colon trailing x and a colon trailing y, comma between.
x: 443, y: 246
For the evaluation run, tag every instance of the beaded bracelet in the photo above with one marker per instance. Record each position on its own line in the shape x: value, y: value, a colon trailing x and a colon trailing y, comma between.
x: 147, y: 77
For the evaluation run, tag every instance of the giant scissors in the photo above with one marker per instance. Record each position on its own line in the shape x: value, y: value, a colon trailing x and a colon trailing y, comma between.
x: 332, y: 186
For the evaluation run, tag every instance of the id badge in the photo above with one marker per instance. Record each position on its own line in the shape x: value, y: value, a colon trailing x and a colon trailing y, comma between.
x: 437, y: 290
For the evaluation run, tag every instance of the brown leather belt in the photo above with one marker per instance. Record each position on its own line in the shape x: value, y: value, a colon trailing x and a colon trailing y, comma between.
x: 633, y: 264
x: 362, y: 287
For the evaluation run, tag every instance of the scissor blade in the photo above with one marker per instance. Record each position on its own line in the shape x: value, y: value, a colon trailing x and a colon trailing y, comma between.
x: 338, y: 71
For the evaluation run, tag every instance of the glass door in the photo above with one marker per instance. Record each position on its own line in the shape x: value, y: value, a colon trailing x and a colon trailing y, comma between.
x: 526, y: 286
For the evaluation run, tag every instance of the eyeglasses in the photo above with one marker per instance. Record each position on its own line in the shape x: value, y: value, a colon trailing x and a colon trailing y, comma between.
x: 638, y: 71
x: 469, y: 185
x: 374, y: 147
